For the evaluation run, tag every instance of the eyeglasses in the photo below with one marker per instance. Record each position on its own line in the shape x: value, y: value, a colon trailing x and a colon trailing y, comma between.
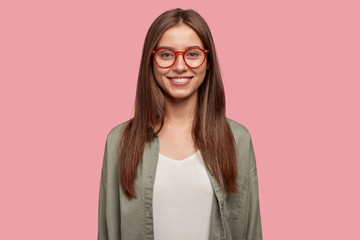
x: 193, y: 57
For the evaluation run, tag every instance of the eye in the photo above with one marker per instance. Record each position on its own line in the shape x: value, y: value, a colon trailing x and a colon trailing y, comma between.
x: 165, y: 54
x: 193, y: 53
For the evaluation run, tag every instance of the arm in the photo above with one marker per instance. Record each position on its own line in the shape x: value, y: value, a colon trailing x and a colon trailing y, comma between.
x: 109, y: 200
x: 253, y: 221
x: 102, y: 225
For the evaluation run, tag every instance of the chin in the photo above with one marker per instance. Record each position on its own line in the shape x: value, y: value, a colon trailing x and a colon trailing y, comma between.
x: 179, y: 95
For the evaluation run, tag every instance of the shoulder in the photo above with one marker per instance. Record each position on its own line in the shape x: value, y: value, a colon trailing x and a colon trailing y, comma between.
x: 115, y: 132
x: 239, y: 131
x: 244, y: 148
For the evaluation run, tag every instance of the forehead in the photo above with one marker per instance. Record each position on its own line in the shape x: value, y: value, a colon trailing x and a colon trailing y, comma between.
x: 179, y: 37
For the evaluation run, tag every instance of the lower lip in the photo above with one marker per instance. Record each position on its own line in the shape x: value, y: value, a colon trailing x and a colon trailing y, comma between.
x: 180, y: 83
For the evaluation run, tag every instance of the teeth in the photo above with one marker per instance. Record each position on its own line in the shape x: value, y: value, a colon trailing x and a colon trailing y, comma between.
x: 180, y: 80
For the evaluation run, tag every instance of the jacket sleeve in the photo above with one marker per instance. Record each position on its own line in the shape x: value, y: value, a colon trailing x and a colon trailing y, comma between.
x: 253, y: 222
x: 102, y: 225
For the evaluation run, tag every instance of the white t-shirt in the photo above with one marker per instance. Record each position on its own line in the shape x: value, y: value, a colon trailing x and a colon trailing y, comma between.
x: 182, y: 199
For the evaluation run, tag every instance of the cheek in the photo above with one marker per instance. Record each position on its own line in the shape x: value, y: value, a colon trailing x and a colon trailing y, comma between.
x: 157, y: 74
x: 202, y: 75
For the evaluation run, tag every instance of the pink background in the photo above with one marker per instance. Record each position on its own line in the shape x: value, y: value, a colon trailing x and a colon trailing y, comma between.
x: 68, y: 73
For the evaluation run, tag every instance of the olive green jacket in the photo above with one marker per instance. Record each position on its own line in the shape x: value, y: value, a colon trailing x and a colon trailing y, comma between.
x: 233, y: 216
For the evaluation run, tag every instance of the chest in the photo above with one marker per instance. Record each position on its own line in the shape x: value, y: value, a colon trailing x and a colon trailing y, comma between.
x: 176, y: 143
x: 182, y: 199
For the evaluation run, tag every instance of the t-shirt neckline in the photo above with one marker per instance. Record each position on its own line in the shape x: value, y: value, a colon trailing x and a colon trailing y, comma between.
x: 193, y: 156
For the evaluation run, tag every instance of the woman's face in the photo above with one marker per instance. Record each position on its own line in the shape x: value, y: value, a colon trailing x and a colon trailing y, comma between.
x: 180, y: 81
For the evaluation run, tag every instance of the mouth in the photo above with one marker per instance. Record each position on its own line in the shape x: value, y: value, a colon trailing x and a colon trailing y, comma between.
x: 180, y: 81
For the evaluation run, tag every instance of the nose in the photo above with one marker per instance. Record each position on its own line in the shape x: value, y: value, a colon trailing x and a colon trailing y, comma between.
x: 179, y: 64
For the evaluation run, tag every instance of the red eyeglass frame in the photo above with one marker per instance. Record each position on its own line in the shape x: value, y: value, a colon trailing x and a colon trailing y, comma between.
x: 180, y: 52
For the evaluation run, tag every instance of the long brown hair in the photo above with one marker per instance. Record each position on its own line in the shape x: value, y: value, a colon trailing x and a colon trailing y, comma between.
x: 210, y: 132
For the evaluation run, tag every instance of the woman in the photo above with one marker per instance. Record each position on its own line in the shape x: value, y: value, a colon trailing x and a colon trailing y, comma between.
x: 179, y: 169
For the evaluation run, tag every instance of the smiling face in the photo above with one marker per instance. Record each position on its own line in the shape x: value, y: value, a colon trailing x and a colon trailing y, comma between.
x: 180, y: 81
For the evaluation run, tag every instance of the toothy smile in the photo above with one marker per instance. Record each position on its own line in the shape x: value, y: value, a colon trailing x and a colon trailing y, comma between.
x: 180, y: 79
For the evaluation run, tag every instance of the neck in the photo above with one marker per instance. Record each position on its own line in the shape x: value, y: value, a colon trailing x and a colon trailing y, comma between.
x: 180, y: 111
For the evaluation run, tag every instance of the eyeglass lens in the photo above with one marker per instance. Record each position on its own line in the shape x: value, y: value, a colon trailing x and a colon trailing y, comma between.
x: 193, y: 57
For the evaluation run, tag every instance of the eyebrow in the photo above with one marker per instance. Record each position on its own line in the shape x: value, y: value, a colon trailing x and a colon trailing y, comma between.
x: 194, y: 46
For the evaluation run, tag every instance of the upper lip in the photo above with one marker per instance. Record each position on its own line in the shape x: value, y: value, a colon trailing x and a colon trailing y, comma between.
x: 180, y: 77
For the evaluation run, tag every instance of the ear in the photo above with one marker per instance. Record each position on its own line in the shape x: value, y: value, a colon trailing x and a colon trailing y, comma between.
x: 208, y: 66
